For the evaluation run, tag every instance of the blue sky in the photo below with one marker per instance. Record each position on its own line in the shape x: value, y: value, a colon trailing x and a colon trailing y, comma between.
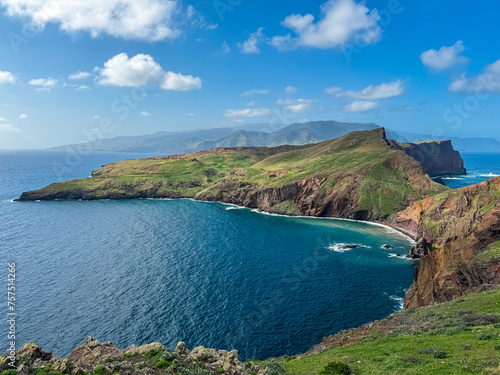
x: 148, y: 65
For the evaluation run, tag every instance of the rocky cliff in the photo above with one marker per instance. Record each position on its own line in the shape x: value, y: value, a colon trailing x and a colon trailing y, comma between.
x: 357, y: 176
x: 438, y: 157
x: 458, y: 233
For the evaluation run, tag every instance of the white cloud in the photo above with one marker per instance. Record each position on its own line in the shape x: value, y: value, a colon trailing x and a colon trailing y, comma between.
x: 382, y: 91
x: 445, y: 57
x: 290, y: 90
x: 197, y: 20
x: 83, y: 88
x: 333, y: 90
x: 191, y: 114
x: 79, y: 75
x: 3, y: 119
x: 8, y: 128
x: 145, y: 114
x: 6, y: 77
x: 254, y: 92
x: 296, y: 105
x: 253, y: 103
x: 249, y: 112
x: 225, y: 48
x: 142, y: 70
x: 45, y: 84
x: 252, y: 44
x: 150, y: 20
x: 23, y: 116
x: 341, y: 22
x: 488, y: 81
x: 360, y: 106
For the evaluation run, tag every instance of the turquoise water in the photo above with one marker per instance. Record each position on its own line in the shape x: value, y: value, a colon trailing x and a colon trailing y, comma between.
x: 138, y: 271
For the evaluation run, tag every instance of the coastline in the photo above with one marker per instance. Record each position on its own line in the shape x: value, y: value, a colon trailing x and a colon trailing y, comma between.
x: 390, y: 228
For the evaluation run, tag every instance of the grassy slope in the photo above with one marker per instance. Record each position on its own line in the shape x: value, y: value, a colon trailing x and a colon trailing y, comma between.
x: 362, y: 162
x: 405, y: 343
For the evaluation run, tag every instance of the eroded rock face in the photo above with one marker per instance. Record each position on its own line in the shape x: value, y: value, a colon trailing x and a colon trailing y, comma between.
x: 438, y: 157
x: 452, y: 230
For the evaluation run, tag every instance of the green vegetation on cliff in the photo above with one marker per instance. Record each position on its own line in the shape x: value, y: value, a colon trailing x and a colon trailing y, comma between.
x: 357, y: 176
x: 458, y: 233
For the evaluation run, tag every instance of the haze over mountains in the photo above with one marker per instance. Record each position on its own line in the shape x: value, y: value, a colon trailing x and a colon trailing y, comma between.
x: 255, y: 135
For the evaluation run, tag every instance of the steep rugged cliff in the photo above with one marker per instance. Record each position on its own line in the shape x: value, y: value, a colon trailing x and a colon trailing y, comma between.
x: 357, y: 176
x: 458, y: 235
x: 438, y: 157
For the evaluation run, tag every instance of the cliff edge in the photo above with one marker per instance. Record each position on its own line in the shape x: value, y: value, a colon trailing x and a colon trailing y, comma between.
x: 439, y: 158
x: 458, y: 234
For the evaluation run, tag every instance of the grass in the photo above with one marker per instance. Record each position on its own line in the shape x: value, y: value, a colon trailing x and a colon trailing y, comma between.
x: 491, y: 252
x: 460, y: 337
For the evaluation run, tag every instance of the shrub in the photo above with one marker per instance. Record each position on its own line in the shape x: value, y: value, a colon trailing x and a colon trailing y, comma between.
x: 481, y: 319
x: 429, y: 350
x: 128, y: 355
x: 162, y: 364
x: 484, y: 336
x: 335, y: 368
x: 274, y: 369
x: 497, y: 347
x: 101, y: 370
x: 166, y: 355
x: 440, y: 354
x: 153, y: 352
x: 411, y: 359
x: 10, y: 372
x: 139, y: 366
x: 489, y: 363
x: 117, y: 366
x: 467, y: 347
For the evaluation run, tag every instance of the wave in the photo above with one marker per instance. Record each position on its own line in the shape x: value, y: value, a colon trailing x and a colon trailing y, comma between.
x: 341, y: 247
x: 400, y: 302
x: 233, y: 208
x: 389, y: 229
x: 471, y: 175
x: 400, y: 256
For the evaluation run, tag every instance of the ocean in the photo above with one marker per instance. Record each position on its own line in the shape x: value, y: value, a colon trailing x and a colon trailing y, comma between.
x: 138, y: 271
x: 480, y: 167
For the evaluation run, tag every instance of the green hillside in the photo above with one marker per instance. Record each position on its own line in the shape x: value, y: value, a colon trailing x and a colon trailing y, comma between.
x: 356, y: 176
x: 459, y: 337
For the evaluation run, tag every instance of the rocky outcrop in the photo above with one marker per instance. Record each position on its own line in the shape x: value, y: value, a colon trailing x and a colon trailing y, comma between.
x: 453, y: 231
x: 106, y: 359
x: 439, y: 158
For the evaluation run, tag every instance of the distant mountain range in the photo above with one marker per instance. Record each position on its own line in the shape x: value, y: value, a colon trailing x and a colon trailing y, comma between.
x: 254, y: 135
